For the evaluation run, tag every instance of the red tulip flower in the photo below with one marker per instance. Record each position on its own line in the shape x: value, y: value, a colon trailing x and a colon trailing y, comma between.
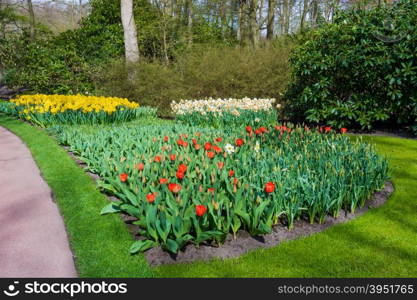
x: 123, y: 177
x: 248, y: 129
x: 150, y: 197
x: 194, y: 141
x: 239, y: 142
x: 231, y: 173
x: 166, y: 139
x: 327, y: 128
x: 207, y: 146
x: 140, y: 166
x: 269, y: 187
x: 219, y: 139
x: 217, y: 149
x: 182, y: 168
x: 235, y: 181
x: 220, y: 165
x: 210, y: 190
x: 200, y: 210
x: 174, y: 187
x: 262, y: 129
x: 180, y: 175
x: 157, y: 158
x: 210, y: 154
x: 163, y: 180
x: 258, y: 132
x: 172, y: 157
x: 197, y: 146
x: 343, y: 130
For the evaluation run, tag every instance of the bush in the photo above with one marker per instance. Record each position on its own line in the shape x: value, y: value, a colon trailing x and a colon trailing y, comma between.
x: 359, y: 71
x: 190, y: 185
x: 203, y: 72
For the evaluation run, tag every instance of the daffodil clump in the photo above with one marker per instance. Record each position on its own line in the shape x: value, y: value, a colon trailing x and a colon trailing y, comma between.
x: 45, y: 110
x: 225, y: 112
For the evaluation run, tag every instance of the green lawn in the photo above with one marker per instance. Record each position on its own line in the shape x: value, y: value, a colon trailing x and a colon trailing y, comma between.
x: 382, y: 243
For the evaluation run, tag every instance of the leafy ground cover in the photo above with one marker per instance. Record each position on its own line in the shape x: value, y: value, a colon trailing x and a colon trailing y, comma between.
x: 193, y: 185
x: 378, y: 244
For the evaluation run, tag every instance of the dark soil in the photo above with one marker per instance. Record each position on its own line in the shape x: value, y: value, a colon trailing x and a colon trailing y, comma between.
x: 244, y: 241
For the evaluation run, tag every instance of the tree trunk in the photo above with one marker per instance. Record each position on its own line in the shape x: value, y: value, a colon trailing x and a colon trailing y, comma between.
x: 32, y: 30
x: 253, y: 24
x: 314, y: 13
x: 304, y: 14
x: 129, y: 29
x: 190, y: 20
x: 240, y: 20
x: 271, y: 19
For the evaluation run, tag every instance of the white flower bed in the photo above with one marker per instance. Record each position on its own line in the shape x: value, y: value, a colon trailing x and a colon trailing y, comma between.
x: 221, y: 105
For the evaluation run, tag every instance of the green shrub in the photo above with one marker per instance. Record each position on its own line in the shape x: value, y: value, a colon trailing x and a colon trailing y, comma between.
x: 359, y: 71
x: 202, y: 72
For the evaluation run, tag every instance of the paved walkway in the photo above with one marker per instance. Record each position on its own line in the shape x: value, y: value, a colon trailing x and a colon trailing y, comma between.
x: 33, y: 240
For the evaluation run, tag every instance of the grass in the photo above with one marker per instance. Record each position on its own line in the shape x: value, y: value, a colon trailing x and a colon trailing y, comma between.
x: 100, y: 244
x: 381, y: 243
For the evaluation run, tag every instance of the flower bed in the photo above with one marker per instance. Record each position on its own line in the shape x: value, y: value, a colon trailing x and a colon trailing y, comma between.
x: 189, y: 185
x: 220, y: 113
x: 46, y: 110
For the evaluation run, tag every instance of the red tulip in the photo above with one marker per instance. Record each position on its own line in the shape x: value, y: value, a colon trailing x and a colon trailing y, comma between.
x: 157, y: 158
x: 166, y: 139
x: 231, y: 173
x: 327, y: 128
x: 210, y: 190
x: 180, y: 175
x: 343, y: 130
x: 258, y: 132
x: 269, y: 187
x: 163, y: 180
x: 140, y: 166
x: 200, y: 210
x: 174, y: 187
x: 197, y: 146
x: 210, y: 154
x: 220, y: 165
x: 150, y: 197
x: 194, y: 141
x: 172, y: 157
x: 217, y: 149
x: 235, y: 181
x: 219, y: 139
x: 123, y: 177
x: 248, y: 129
x: 263, y: 129
x: 239, y: 142
x: 207, y: 146
x: 182, y: 168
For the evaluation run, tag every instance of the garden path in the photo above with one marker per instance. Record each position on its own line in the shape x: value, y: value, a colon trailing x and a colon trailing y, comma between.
x: 33, y: 240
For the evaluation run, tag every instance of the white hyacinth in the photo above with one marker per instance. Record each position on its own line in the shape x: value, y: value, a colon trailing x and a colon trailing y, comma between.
x: 217, y: 106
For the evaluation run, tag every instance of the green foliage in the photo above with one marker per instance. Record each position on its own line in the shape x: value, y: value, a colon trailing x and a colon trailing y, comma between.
x: 68, y: 63
x: 313, y: 174
x: 360, y: 70
x: 46, y: 67
x: 202, y: 72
